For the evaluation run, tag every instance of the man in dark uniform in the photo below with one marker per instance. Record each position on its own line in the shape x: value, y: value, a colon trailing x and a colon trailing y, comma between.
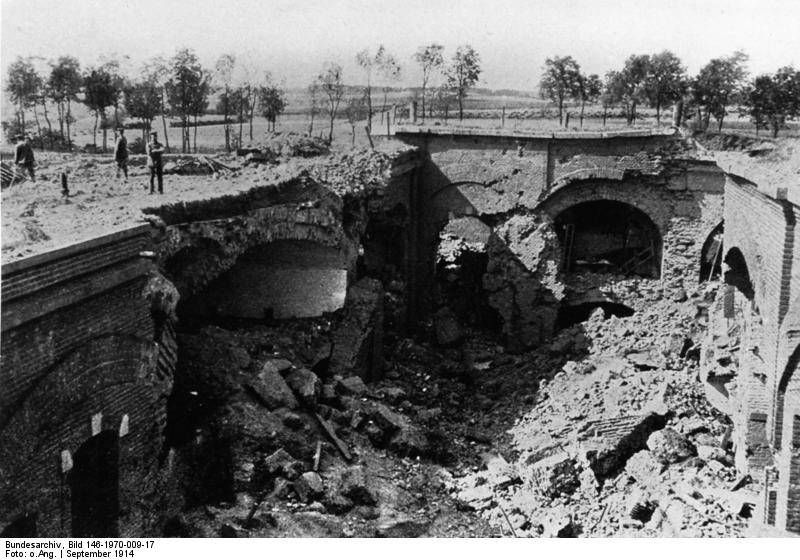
x: 121, y: 153
x: 154, y: 152
x: 23, y: 155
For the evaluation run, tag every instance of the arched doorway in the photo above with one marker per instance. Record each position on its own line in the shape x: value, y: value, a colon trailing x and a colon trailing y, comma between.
x: 94, y: 484
x: 609, y: 236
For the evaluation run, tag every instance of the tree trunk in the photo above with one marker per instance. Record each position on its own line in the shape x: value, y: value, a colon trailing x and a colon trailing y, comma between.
x: 658, y: 114
x: 38, y: 127
x: 719, y: 129
x: 368, y: 93
x: 49, y: 125
x: 423, y: 101
x: 60, y: 109
x: 104, y: 125
x: 311, y: 124
x: 94, y: 130
x: 195, y: 134
x: 583, y: 105
x: 252, y: 113
x: 69, y: 116
x: 226, y: 126
x: 330, y: 132
x: 164, y: 120
x: 460, y: 109
x: 353, y: 128
x: 605, y: 114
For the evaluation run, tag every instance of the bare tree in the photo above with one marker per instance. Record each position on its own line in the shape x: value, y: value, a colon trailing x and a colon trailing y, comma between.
x: 224, y: 74
x: 430, y: 58
x: 330, y: 81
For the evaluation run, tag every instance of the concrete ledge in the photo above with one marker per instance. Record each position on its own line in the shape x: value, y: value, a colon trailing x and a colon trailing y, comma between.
x: 418, y: 130
x: 73, y: 249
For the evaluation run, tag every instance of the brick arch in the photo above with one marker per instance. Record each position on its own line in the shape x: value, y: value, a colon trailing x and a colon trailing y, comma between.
x: 110, y: 374
x: 579, y: 194
x: 787, y: 441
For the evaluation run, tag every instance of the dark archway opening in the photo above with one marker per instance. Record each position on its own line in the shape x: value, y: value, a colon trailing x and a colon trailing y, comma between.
x: 94, y: 483
x: 22, y: 527
x: 283, y: 279
x: 711, y: 255
x: 569, y: 315
x: 461, y: 289
x: 737, y: 273
x: 609, y: 236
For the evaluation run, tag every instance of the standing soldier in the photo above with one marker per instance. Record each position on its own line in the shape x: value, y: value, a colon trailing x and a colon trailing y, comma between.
x: 121, y: 153
x: 23, y: 155
x: 154, y: 151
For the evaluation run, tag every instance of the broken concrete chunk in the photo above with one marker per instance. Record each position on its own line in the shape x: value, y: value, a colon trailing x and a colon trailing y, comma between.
x: 556, y: 475
x: 356, y: 487
x: 305, y: 384
x: 309, y: 486
x: 649, y: 359
x: 272, y: 389
x: 410, y: 441
x: 352, y: 386
x: 644, y: 468
x: 401, y: 526
x: 607, y: 444
x: 668, y: 446
x: 712, y: 453
x: 358, y: 340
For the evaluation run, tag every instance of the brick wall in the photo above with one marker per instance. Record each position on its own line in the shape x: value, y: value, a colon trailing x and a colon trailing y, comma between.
x: 519, y: 184
x: 79, y: 357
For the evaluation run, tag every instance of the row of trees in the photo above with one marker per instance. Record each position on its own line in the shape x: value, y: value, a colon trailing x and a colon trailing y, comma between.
x: 455, y: 78
x: 179, y: 87
x: 660, y: 80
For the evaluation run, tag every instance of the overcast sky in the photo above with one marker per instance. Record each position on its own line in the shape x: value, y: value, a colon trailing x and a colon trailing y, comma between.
x: 292, y: 38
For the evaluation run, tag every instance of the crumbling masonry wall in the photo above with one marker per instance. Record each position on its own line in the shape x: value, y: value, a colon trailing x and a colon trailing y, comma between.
x: 763, y: 402
x: 517, y: 185
x: 86, y: 349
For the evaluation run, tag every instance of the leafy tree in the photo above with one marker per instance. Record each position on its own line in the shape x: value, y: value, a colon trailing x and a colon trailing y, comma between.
x: 332, y: 87
x: 772, y: 99
x: 613, y: 92
x: 560, y: 81
x: 187, y: 91
x: 63, y: 86
x: 23, y: 86
x: 665, y: 81
x: 224, y: 75
x: 99, y: 94
x: 717, y: 84
x: 633, y: 83
x: 158, y: 71
x: 462, y: 74
x: 272, y: 101
x: 430, y: 58
x: 589, y: 89
x: 142, y: 101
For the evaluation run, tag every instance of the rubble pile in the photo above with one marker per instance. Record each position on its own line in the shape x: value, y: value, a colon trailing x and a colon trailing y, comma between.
x: 620, y: 441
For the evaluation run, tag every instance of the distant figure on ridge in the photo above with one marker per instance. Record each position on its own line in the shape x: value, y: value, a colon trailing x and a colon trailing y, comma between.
x: 154, y: 152
x: 23, y: 155
x: 121, y: 153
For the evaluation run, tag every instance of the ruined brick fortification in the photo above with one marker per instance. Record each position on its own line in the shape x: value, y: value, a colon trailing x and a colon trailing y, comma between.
x: 751, y: 355
x: 89, y: 344
x: 464, y: 227
x: 501, y: 194
x: 87, y: 356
